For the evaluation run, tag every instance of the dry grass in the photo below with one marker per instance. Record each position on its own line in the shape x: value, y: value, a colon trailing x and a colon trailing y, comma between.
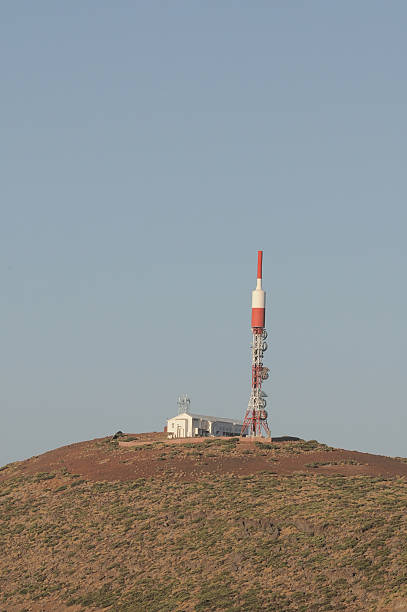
x: 302, y: 542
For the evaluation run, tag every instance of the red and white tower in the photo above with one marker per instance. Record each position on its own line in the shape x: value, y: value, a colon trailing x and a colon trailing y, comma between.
x: 255, y: 421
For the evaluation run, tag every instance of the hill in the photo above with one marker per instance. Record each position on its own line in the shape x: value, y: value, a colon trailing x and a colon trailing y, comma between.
x: 147, y: 524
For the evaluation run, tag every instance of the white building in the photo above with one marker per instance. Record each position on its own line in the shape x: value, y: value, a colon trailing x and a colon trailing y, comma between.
x: 187, y: 425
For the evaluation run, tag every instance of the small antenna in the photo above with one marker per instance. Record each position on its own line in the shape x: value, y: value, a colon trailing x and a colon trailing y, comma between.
x: 183, y: 404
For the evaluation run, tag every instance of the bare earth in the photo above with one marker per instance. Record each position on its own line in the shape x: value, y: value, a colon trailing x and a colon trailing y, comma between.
x: 90, y: 460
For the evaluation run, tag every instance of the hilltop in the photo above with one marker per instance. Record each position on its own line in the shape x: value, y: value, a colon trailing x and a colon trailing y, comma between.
x: 143, y: 523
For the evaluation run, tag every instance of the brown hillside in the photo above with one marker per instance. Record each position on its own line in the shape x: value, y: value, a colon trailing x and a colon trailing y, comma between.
x: 145, y: 455
x: 148, y: 524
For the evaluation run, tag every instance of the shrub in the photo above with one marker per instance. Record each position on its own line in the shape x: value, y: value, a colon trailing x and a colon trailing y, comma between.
x: 43, y: 476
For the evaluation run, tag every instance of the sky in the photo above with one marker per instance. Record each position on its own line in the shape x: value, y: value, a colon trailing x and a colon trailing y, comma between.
x: 147, y: 151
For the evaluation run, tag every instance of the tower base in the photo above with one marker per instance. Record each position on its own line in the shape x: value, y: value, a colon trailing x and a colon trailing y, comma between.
x: 254, y: 424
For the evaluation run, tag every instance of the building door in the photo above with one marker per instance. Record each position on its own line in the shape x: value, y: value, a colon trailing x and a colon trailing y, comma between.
x: 180, y: 431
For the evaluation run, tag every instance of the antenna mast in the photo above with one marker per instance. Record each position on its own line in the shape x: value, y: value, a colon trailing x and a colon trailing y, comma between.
x: 255, y: 420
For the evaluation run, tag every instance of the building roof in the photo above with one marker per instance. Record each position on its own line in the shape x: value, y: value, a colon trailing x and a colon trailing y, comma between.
x: 208, y: 418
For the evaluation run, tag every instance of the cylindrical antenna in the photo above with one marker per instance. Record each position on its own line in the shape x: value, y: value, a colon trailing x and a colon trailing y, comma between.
x: 259, y: 264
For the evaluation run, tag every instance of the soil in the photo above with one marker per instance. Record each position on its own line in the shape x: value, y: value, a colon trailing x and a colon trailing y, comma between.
x: 103, y: 460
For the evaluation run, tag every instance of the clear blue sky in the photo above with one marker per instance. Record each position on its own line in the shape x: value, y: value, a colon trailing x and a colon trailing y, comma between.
x: 148, y: 149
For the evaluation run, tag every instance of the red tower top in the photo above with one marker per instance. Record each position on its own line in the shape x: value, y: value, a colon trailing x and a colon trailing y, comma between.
x: 259, y: 264
x: 258, y: 297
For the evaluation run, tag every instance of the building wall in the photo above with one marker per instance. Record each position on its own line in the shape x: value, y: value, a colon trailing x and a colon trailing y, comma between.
x: 186, y: 426
x: 180, y: 427
x: 220, y: 428
x: 201, y: 427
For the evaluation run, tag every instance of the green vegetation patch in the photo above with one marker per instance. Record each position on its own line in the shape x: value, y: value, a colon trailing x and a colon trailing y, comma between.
x: 43, y: 476
x: 293, y: 448
x: 316, y: 464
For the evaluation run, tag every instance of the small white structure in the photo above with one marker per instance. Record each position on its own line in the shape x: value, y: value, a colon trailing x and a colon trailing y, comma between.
x: 187, y: 425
